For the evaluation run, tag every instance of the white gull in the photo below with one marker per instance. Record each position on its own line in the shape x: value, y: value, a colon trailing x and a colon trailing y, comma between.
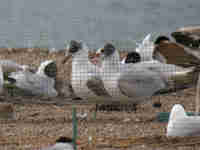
x: 39, y: 83
x: 144, y: 52
x: 134, y: 81
x: 85, y: 81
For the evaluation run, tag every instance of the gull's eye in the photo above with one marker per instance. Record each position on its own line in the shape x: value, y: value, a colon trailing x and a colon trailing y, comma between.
x: 102, y: 50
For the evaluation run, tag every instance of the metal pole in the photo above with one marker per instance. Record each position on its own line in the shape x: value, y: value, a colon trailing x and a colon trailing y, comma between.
x: 74, y: 123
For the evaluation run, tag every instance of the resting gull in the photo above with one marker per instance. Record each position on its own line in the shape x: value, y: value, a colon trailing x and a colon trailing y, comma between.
x: 132, y: 57
x: 145, y: 49
x: 144, y: 52
x: 86, y: 81
x: 175, y: 53
x: 40, y: 83
x: 135, y: 81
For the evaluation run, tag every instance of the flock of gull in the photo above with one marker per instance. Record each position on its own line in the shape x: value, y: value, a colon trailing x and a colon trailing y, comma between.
x: 147, y: 71
x: 142, y: 74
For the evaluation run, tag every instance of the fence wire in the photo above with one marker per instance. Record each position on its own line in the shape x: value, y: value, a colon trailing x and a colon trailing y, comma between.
x: 33, y: 121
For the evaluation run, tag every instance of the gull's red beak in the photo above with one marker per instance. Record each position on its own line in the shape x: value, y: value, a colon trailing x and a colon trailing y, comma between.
x: 99, y: 51
x: 97, y: 55
x: 78, y: 142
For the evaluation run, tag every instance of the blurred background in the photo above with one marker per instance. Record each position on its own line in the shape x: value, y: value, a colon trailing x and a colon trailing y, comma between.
x: 50, y: 23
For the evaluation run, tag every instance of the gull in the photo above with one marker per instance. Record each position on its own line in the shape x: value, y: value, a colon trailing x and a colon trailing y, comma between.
x: 132, y: 57
x: 175, y: 53
x: 188, y: 36
x: 86, y: 82
x: 40, y: 83
x: 144, y: 52
x: 135, y: 81
x: 145, y: 49
x: 62, y: 143
x: 127, y: 81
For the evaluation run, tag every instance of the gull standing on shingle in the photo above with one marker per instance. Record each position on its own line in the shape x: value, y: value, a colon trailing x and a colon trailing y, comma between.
x: 85, y: 81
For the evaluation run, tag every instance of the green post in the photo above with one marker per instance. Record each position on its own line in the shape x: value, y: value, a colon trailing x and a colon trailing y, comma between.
x: 74, y: 123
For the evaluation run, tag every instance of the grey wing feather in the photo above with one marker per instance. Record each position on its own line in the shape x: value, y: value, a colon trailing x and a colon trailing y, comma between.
x: 29, y: 81
x: 96, y: 85
x: 141, y: 83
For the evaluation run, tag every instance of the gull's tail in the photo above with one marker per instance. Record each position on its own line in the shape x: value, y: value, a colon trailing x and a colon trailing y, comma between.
x: 181, y: 80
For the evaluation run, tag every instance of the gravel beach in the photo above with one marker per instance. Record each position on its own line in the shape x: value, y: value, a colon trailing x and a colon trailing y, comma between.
x: 40, y: 121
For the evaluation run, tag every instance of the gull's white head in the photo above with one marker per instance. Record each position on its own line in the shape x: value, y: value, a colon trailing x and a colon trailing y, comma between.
x: 47, y: 68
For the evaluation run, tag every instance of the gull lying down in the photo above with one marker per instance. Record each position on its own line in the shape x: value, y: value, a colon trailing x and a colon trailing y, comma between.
x: 145, y: 49
x: 132, y: 57
x: 144, y: 52
x: 40, y: 83
x: 127, y: 81
x: 135, y: 81
x: 175, y: 53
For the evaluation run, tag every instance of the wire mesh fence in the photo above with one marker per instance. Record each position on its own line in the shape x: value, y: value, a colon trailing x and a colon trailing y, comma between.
x: 33, y: 120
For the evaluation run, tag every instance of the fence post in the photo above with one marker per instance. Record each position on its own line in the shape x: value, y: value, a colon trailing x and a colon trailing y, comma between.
x: 74, y: 124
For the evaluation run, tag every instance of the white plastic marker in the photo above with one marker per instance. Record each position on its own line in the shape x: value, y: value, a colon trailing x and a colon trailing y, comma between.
x: 180, y: 124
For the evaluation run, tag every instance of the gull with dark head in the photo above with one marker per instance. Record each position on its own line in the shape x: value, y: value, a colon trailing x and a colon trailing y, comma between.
x: 85, y: 81
x: 136, y: 81
x: 127, y: 81
x: 40, y: 83
x: 175, y: 53
x: 144, y: 52
x: 132, y: 57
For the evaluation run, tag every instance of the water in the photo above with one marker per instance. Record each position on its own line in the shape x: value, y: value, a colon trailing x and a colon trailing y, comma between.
x: 49, y: 23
